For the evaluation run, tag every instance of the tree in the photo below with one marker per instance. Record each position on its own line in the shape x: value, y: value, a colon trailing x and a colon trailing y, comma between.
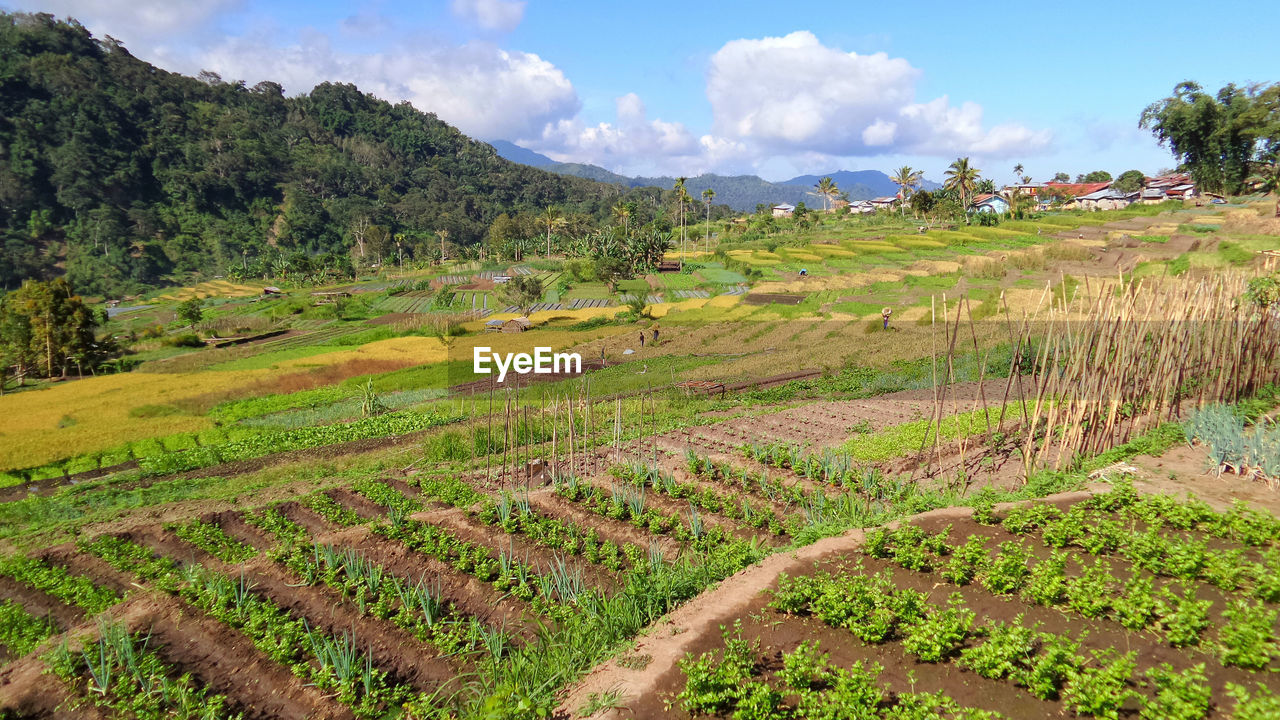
x: 45, y: 323
x: 1130, y: 180
x: 707, y: 196
x: 191, y: 311
x: 1018, y: 170
x: 551, y: 220
x: 907, y: 180
x: 1216, y: 137
x: 922, y: 202
x: 826, y: 190
x: 682, y: 199
x: 523, y: 291
x: 1096, y: 176
x: 443, y: 234
x: 1061, y: 177
x: 962, y: 178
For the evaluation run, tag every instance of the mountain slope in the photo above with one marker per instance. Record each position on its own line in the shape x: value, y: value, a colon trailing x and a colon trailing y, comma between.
x: 740, y: 192
x: 121, y: 175
x: 875, y: 182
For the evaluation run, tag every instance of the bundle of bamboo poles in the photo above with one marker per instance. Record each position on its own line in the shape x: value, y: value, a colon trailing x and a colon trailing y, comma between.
x: 1109, y: 364
x: 1124, y: 362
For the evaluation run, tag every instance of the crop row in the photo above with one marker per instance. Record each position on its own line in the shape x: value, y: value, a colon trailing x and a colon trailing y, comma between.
x: 20, y: 631
x: 559, y: 584
x: 57, y: 581
x: 1103, y: 531
x: 1240, y: 524
x: 627, y: 503
x: 727, y: 682
x: 123, y: 672
x: 730, y: 506
x: 513, y: 514
x: 1244, y: 639
x: 1048, y: 665
x: 417, y: 607
x: 829, y: 468
x: 332, y: 664
x: 213, y: 540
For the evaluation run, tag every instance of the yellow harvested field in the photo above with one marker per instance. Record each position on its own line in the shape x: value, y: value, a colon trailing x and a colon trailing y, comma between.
x: 95, y: 413
x: 419, y: 350
x: 936, y: 267
x: 215, y: 288
x: 723, y: 301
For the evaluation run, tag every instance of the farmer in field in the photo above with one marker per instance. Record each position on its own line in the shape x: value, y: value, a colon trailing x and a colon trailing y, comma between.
x: 655, y: 334
x: 885, y: 313
x: 641, y: 338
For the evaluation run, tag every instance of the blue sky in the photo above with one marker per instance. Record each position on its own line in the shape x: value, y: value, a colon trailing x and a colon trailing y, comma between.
x: 755, y: 87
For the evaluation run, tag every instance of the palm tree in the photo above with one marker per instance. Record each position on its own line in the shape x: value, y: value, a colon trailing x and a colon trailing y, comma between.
x: 622, y: 212
x: 707, y: 196
x: 827, y: 190
x: 907, y: 180
x: 1018, y: 170
x: 551, y: 218
x: 963, y: 177
x: 682, y: 197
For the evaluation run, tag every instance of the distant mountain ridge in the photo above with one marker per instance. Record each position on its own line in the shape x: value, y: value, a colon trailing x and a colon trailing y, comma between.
x: 740, y: 192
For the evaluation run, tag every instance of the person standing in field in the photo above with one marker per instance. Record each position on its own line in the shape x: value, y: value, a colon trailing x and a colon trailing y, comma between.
x: 641, y: 338
x: 885, y: 313
x: 655, y: 334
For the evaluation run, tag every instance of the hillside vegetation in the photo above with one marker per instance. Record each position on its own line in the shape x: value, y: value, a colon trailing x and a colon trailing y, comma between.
x: 118, y: 173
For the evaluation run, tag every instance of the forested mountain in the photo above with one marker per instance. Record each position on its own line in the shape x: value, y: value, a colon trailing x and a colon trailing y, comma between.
x: 740, y: 192
x: 120, y: 174
x: 869, y: 183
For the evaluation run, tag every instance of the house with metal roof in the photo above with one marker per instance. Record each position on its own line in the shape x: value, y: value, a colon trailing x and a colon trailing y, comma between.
x: 784, y: 210
x: 1107, y: 199
x: 990, y: 203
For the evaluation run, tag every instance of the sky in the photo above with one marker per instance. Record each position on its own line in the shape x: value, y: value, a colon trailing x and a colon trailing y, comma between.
x: 648, y: 88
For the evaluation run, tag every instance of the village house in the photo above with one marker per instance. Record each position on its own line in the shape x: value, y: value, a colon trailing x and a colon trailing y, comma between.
x: 784, y: 210
x: 883, y: 203
x: 989, y: 203
x: 1064, y: 195
x: 861, y: 207
x: 1107, y: 199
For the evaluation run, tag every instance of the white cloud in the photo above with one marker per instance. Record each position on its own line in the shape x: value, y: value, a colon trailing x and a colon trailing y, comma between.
x: 633, y: 144
x: 485, y: 91
x: 126, y: 20
x: 498, y: 15
x: 792, y: 94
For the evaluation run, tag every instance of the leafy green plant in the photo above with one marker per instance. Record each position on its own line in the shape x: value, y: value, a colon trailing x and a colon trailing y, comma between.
x: 1090, y: 593
x: 1006, y: 651
x: 1047, y: 584
x: 966, y: 561
x: 1246, y: 639
x: 1260, y: 704
x: 1008, y: 572
x: 939, y: 634
x: 1101, y: 689
x: 1181, y: 695
x: 1183, y: 617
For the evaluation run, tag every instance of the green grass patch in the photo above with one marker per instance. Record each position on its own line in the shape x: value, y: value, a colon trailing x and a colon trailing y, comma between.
x: 910, y: 437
